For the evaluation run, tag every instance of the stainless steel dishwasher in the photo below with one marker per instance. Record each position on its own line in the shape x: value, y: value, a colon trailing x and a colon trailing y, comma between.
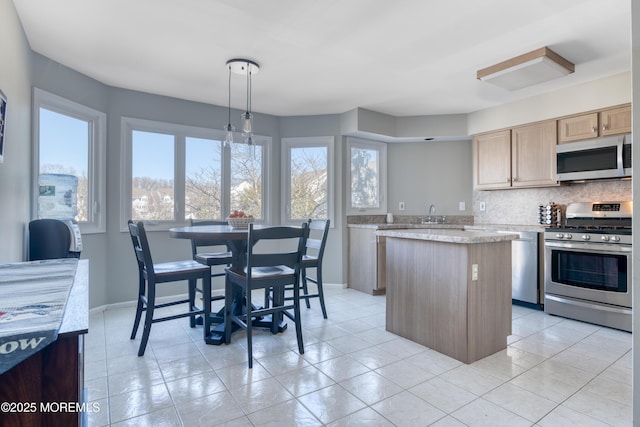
x: 525, y: 279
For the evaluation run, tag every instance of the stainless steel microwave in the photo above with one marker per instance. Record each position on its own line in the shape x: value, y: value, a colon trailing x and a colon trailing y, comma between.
x: 600, y: 158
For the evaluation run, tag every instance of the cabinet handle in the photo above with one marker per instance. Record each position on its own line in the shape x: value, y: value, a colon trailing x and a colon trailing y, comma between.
x: 604, y: 127
x: 594, y: 129
x: 508, y: 180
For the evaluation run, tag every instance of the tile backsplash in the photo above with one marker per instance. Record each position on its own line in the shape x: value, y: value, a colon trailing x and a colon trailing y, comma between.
x: 520, y: 206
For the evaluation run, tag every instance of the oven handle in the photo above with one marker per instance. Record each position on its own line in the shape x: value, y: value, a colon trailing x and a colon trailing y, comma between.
x: 589, y: 247
x: 617, y: 310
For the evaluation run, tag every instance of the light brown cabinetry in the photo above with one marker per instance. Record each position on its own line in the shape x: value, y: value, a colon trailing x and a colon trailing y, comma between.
x: 612, y: 121
x: 533, y: 155
x: 367, y: 260
x: 492, y: 161
x: 453, y: 298
x: 524, y: 156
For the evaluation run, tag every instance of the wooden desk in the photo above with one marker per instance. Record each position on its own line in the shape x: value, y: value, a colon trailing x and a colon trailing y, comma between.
x: 54, y: 376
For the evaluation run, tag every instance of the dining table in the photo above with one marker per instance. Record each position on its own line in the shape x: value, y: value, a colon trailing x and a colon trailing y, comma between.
x: 236, y: 240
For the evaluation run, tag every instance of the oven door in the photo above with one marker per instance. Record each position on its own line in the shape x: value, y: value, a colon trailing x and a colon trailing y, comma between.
x: 587, y: 271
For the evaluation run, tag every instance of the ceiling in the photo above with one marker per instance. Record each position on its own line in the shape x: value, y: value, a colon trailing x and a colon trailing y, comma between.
x: 403, y: 58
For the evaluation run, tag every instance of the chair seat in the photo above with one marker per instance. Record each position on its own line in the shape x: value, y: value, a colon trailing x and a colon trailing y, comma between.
x: 214, y: 258
x: 178, y: 268
x: 265, y: 273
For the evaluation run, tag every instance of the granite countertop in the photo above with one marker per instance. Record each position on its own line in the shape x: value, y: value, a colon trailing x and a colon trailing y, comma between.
x: 449, y: 235
x: 404, y: 226
x: 507, y: 227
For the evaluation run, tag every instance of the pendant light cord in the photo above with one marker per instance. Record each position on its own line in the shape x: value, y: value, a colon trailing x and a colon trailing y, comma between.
x: 229, y: 98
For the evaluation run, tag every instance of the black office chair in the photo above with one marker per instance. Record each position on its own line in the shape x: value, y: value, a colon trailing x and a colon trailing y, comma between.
x: 271, y: 270
x: 150, y: 275
x: 49, y: 239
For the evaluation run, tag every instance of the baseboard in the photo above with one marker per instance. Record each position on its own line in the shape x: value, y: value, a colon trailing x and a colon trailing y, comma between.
x: 160, y: 300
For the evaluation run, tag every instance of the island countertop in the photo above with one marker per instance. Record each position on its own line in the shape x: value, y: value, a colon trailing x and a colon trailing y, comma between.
x: 449, y: 235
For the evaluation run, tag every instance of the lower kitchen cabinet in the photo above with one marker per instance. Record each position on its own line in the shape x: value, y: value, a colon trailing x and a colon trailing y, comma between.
x: 367, y: 260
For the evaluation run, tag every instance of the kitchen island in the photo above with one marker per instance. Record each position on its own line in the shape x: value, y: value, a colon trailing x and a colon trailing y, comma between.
x: 450, y: 290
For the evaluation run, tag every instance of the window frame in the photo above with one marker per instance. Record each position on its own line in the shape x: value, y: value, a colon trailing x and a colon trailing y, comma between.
x: 97, y: 155
x: 381, y: 147
x: 306, y: 142
x: 181, y: 133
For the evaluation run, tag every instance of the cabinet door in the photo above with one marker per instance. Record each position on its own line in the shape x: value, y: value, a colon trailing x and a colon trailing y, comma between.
x: 533, y: 155
x: 578, y: 127
x: 615, y: 121
x: 362, y: 259
x: 492, y: 160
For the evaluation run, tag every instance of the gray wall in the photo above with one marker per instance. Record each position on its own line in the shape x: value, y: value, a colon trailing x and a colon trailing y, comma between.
x: 426, y: 173
x: 15, y: 172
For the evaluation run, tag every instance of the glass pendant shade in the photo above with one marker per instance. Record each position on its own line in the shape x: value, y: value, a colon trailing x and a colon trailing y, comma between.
x: 229, y: 136
x: 246, y: 123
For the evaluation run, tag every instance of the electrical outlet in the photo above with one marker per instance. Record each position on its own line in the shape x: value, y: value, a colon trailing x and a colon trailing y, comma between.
x: 474, y: 271
x: 462, y: 206
x: 483, y: 207
x: 401, y: 206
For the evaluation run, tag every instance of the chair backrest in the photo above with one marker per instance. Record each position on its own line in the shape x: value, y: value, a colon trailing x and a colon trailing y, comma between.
x: 196, y: 243
x: 48, y: 239
x: 279, y: 253
x: 317, y: 241
x: 141, y: 247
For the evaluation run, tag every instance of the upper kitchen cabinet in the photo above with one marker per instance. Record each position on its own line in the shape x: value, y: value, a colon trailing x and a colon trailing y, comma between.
x: 492, y: 160
x: 611, y: 121
x: 615, y: 121
x: 533, y: 155
x: 524, y: 156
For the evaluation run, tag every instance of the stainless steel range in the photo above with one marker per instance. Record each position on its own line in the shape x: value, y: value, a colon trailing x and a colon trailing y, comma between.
x: 588, y: 264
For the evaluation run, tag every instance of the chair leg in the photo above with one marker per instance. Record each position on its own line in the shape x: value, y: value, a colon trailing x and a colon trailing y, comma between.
x: 278, y: 301
x: 228, y: 300
x: 192, y: 302
x: 139, y: 307
x: 304, y: 286
x: 148, y: 318
x: 206, y: 302
x: 249, y: 328
x: 320, y: 291
x: 296, y: 313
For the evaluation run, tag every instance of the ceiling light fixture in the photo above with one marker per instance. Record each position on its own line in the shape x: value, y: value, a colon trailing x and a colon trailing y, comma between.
x: 248, y: 68
x: 529, y: 69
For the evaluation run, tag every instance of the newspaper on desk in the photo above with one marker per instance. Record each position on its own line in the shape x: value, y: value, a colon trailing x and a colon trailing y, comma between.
x: 33, y: 296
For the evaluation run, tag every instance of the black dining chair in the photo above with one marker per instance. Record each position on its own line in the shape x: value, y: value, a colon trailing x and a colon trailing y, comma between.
x: 151, y: 274
x: 221, y: 256
x: 318, y: 232
x: 312, y: 256
x: 271, y: 269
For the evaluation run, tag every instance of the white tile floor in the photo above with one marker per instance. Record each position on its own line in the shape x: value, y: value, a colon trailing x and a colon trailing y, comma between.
x: 555, y: 372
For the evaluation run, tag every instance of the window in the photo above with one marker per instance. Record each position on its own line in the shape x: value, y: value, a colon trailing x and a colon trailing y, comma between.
x: 368, y: 182
x: 70, y: 139
x: 177, y: 172
x: 307, y: 178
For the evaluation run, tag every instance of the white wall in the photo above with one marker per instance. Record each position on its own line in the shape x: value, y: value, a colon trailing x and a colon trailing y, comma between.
x: 613, y: 90
x: 15, y: 172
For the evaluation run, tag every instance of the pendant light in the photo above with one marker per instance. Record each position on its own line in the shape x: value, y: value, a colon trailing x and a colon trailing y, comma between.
x: 247, y: 116
x: 247, y: 68
x: 228, y: 140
